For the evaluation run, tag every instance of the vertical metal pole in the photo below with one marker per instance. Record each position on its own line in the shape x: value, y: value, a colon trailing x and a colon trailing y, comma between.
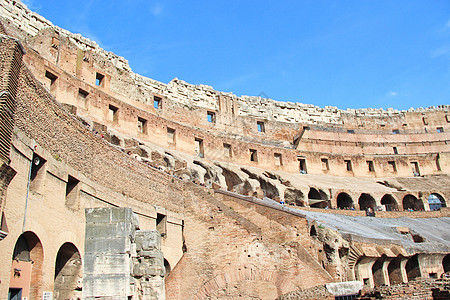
x: 28, y: 190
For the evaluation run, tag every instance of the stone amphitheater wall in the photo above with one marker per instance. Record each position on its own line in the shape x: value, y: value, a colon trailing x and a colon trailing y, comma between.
x: 189, y: 122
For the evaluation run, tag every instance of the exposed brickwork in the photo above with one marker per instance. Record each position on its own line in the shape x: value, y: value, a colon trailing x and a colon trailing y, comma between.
x: 421, y: 289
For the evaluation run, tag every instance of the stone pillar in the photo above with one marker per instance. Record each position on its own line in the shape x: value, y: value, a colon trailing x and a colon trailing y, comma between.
x: 384, y: 268
x: 107, y: 254
x: 403, y: 269
x: 115, y: 267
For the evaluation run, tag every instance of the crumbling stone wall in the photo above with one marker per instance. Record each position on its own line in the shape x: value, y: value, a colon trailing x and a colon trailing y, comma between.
x: 121, y: 262
x: 420, y: 289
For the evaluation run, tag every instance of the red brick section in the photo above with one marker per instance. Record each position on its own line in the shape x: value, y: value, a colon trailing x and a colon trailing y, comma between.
x: 315, y: 293
x: 41, y: 118
x: 421, y: 289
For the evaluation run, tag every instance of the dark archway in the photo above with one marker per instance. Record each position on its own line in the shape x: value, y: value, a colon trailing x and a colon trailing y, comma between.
x: 389, y: 202
x: 394, y: 271
x: 377, y: 271
x: 68, y: 273
x: 167, y: 267
x: 27, y: 262
x: 344, y: 201
x: 410, y: 202
x: 412, y: 268
x: 366, y: 201
x: 315, y: 194
x: 312, y: 231
x: 446, y: 263
x: 436, y: 201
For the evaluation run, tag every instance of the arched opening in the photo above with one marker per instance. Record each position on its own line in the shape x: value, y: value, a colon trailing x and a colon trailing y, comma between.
x: 167, y: 267
x: 312, y: 231
x: 394, y: 271
x: 412, y: 268
x: 294, y: 197
x: 68, y: 273
x: 446, y: 263
x: 410, y: 202
x: 377, y: 271
x: 115, y: 140
x: 366, y: 201
x: 26, y: 270
x: 389, y: 202
x: 344, y: 201
x: 436, y: 201
x: 317, y: 198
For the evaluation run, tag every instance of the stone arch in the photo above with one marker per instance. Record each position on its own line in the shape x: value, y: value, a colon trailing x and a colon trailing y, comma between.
x: 233, y: 277
x: 344, y: 201
x: 411, y: 202
x: 68, y: 273
x: 446, y: 263
x: 231, y: 179
x: 366, y: 201
x: 389, y: 202
x: 412, y: 268
x: 115, y: 140
x: 377, y: 272
x: 167, y: 267
x: 436, y: 201
x: 294, y: 196
x: 27, y: 264
x: 394, y: 271
x: 313, y: 231
x: 315, y: 194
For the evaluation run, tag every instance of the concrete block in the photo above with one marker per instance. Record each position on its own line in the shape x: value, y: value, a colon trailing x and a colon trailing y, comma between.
x: 104, y: 230
x: 99, y: 215
x: 112, y: 245
x: 107, y: 264
x: 121, y: 214
x: 111, y: 285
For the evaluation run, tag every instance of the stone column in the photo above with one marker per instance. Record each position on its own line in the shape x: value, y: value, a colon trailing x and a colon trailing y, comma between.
x: 120, y: 261
x: 107, y: 254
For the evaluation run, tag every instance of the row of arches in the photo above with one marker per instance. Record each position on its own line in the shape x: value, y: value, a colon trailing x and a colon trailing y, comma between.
x: 27, y: 269
x: 389, y: 271
x: 318, y: 198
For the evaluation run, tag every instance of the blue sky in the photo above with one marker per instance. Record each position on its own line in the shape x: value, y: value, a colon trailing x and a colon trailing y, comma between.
x: 349, y: 54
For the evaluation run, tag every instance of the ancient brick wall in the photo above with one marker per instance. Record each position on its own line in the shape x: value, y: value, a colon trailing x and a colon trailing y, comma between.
x: 420, y: 289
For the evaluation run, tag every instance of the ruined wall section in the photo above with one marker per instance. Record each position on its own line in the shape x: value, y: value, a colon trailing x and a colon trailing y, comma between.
x: 125, y: 84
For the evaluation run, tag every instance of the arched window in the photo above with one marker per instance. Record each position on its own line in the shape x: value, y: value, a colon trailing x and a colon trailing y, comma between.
x: 27, y: 261
x: 366, y: 201
x: 412, y: 268
x: 410, y: 202
x: 389, y: 202
x: 436, y: 202
x: 68, y: 273
x: 167, y: 267
x: 317, y: 198
x: 344, y: 201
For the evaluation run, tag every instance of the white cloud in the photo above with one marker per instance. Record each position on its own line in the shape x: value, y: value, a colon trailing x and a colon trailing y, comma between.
x: 392, y: 94
x: 157, y: 9
x: 444, y: 50
x: 31, y: 5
